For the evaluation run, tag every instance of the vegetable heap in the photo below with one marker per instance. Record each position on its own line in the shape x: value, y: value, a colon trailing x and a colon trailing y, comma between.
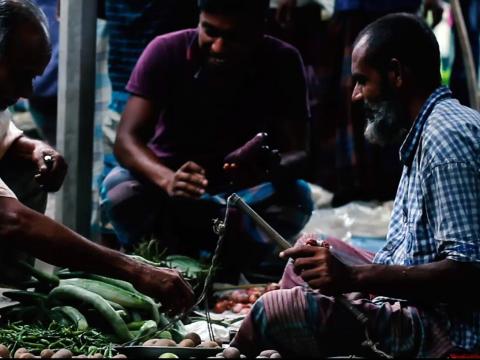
x: 84, y: 306
x: 36, y: 338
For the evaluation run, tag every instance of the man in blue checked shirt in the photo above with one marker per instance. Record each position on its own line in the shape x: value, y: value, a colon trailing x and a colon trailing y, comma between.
x: 423, y: 280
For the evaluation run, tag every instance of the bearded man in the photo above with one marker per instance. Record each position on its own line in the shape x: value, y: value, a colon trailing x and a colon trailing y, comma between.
x: 415, y: 296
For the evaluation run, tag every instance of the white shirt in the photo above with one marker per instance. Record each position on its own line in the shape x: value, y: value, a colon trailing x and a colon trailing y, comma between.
x: 8, y: 134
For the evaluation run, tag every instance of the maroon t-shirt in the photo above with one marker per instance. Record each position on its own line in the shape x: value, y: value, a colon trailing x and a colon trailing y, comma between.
x: 203, y: 122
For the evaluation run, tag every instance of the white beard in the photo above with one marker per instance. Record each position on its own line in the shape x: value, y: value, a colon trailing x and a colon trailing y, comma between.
x: 383, y: 123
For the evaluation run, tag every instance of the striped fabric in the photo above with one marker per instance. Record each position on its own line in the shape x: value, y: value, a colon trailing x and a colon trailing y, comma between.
x: 436, y: 213
x: 298, y: 321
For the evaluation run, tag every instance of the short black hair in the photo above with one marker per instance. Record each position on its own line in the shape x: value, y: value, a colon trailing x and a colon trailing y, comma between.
x: 410, y: 40
x: 17, y: 12
x: 257, y: 10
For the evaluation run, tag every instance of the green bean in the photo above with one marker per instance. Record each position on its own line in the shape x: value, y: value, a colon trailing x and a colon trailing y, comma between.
x: 36, y: 338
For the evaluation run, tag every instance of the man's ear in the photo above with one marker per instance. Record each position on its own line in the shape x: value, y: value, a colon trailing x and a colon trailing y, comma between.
x: 396, y: 75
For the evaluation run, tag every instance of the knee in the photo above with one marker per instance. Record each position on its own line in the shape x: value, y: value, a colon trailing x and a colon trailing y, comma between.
x: 117, y: 176
x: 304, y: 194
x: 120, y: 187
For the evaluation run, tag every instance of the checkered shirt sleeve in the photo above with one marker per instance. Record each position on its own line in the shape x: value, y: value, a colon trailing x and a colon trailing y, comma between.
x: 452, y: 194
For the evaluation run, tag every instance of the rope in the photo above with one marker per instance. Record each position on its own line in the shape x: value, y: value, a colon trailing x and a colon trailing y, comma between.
x: 219, y: 228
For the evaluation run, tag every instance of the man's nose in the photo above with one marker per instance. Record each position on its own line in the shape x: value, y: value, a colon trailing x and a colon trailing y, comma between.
x: 357, y: 93
x: 218, y: 45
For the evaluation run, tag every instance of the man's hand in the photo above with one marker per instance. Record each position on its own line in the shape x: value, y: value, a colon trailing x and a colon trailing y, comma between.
x: 188, y: 181
x: 319, y: 268
x: 285, y: 11
x: 168, y: 286
x: 51, y: 166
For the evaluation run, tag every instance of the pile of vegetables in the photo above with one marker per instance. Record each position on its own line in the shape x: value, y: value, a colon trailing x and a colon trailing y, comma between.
x: 23, y: 338
x: 77, y: 313
x: 240, y: 301
x: 85, y: 305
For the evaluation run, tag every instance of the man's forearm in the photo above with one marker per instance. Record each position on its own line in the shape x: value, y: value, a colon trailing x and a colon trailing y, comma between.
x: 138, y: 158
x: 442, y: 281
x: 22, y: 148
x: 54, y: 243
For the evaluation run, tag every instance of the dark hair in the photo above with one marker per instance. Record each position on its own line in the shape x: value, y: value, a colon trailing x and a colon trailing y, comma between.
x: 16, y: 12
x: 407, y: 38
x: 254, y: 9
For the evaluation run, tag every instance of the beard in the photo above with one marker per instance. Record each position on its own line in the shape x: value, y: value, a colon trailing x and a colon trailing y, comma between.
x: 384, y: 123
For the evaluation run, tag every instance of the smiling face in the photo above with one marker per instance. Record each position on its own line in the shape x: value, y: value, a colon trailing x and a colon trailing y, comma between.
x: 382, y: 111
x: 25, y: 58
x: 226, y: 41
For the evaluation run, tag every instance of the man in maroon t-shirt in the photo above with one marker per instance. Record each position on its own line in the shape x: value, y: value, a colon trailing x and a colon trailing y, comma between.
x: 198, y: 95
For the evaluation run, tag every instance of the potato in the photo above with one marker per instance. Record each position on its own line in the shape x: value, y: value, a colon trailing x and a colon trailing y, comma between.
x: 47, y: 353
x: 97, y: 356
x: 275, y: 355
x: 220, y: 306
x: 245, y: 311
x: 4, y: 353
x: 267, y: 353
x: 27, y: 355
x: 120, y: 356
x: 186, y: 343
x: 194, y: 337
x: 237, y: 308
x: 62, y: 354
x: 209, y: 344
x: 166, y: 342
x: 159, y: 342
x: 19, y: 352
x: 151, y: 342
x: 231, y: 353
x: 240, y: 296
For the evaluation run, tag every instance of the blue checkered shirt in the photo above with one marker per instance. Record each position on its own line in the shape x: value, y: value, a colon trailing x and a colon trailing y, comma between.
x: 436, y: 213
